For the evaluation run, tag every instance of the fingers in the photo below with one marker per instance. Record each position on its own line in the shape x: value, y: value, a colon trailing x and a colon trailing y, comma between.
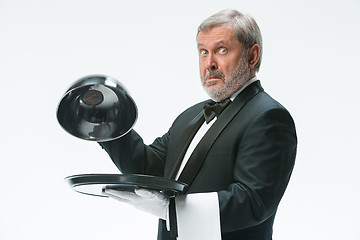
x: 145, y: 193
x: 119, y: 199
x: 138, y: 194
x: 123, y: 195
x: 150, y: 201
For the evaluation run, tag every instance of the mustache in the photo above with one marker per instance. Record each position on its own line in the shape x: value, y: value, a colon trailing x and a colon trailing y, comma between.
x: 214, y: 73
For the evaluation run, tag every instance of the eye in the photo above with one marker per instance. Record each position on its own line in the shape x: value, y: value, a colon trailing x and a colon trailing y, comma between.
x: 223, y: 50
x: 203, y: 52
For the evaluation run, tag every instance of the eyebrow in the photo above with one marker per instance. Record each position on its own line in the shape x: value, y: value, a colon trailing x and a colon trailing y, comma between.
x: 221, y: 42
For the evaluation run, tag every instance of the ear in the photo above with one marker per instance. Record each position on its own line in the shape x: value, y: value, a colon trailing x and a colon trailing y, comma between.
x: 253, y: 55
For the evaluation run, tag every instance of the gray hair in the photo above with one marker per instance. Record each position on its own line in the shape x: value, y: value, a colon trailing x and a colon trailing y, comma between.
x: 245, y: 28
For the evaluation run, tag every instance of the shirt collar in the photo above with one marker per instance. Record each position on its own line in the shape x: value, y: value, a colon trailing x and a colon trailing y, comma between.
x: 243, y: 87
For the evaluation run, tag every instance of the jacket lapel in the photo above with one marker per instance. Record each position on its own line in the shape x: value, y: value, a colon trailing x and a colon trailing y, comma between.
x: 199, y: 154
x: 184, y: 142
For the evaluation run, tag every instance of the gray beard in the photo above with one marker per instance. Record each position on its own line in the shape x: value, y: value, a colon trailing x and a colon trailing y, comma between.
x: 236, y: 80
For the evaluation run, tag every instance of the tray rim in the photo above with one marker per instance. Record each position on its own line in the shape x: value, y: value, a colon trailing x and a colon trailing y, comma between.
x: 169, y: 187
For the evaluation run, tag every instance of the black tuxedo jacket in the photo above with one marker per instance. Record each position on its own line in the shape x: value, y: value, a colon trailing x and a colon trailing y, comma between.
x: 247, y: 157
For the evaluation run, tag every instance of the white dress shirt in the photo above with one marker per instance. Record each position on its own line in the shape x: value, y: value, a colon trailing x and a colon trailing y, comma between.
x: 198, y: 215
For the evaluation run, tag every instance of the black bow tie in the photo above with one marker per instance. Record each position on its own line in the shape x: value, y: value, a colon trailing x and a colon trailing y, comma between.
x: 212, y: 109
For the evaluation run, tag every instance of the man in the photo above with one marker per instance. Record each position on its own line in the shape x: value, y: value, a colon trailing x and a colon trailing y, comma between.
x: 238, y: 164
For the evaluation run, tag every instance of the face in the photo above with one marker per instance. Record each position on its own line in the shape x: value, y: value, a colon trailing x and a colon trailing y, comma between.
x: 223, y: 69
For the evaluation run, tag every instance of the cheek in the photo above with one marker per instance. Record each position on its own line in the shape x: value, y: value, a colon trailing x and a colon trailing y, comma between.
x: 227, y: 68
x: 202, y: 69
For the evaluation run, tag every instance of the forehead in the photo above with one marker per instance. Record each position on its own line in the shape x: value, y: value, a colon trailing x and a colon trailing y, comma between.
x: 216, y: 35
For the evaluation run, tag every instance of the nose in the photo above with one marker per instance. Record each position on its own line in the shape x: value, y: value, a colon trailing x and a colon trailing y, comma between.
x: 211, y: 63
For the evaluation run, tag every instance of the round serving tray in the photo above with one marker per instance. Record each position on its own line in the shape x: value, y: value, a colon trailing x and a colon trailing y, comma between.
x: 95, y: 184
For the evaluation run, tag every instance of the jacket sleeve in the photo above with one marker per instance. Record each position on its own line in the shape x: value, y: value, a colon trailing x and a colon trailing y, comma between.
x: 131, y: 155
x: 263, y: 165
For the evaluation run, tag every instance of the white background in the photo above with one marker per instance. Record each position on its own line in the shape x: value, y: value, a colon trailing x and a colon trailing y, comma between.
x: 310, y: 65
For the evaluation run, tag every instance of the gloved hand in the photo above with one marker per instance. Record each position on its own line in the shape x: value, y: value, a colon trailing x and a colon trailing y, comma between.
x: 150, y: 201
